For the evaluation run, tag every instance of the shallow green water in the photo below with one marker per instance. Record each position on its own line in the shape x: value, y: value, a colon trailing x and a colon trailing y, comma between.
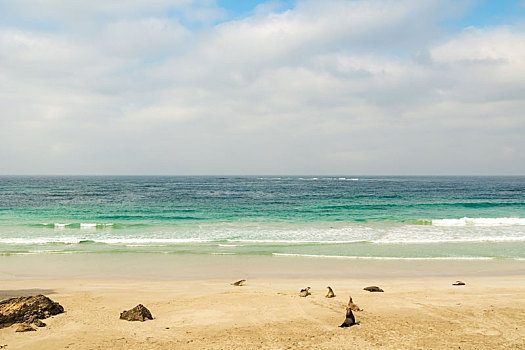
x: 366, y: 217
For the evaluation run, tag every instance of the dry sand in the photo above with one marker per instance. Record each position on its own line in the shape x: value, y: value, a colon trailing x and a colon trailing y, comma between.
x: 412, y: 313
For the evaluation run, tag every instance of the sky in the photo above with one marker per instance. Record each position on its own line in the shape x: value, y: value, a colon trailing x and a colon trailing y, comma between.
x: 203, y: 87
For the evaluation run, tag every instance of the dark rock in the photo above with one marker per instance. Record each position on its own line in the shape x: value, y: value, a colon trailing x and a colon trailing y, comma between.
x: 25, y: 327
x: 27, y: 309
x: 39, y: 323
x: 138, y: 313
x: 373, y: 289
x: 458, y: 283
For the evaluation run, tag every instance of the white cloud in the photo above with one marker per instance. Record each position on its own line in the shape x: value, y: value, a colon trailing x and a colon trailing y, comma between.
x: 492, y: 45
x: 144, y: 37
x: 326, y: 87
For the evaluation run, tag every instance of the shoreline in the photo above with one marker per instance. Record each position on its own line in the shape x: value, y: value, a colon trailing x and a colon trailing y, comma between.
x: 200, y: 267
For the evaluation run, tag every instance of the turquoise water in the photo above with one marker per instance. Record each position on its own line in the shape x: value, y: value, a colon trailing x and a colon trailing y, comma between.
x: 340, y: 217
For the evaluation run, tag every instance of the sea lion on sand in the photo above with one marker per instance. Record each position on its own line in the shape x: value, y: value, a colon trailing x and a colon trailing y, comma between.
x: 458, y: 283
x: 305, y: 292
x: 373, y: 289
x: 329, y: 293
x: 353, y: 306
x: 349, y: 320
x: 238, y: 283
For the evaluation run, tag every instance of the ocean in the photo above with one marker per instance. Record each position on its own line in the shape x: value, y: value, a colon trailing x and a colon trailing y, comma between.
x: 340, y: 217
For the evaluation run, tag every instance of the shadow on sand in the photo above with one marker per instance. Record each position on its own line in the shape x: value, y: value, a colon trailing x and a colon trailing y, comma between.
x: 6, y: 294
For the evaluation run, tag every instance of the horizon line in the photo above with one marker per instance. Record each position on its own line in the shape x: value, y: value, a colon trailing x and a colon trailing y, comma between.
x: 278, y: 175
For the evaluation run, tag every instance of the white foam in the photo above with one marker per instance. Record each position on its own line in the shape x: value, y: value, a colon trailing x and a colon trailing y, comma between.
x: 150, y: 240
x: 40, y: 240
x: 479, y: 222
x: 94, y: 225
x: 76, y: 240
x: 82, y: 225
x: 383, y: 257
x: 450, y: 240
x: 279, y: 241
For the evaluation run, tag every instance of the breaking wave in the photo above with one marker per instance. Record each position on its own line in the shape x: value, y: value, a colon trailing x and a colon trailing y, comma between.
x: 387, y: 257
x: 479, y: 222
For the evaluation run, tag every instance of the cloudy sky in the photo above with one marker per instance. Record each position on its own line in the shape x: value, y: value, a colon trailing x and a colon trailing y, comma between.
x: 262, y: 87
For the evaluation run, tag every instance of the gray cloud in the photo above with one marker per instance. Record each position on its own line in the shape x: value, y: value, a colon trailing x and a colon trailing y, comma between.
x: 329, y: 87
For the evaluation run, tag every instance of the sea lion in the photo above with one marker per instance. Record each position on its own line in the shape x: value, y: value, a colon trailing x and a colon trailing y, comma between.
x: 353, y: 306
x: 238, y: 283
x: 373, y: 289
x: 458, y: 283
x: 349, y: 320
x: 329, y: 292
x: 305, y: 292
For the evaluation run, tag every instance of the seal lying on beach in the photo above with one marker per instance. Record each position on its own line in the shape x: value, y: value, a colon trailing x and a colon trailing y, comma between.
x: 329, y: 293
x: 353, y: 306
x: 458, y: 283
x: 238, y: 283
x: 305, y: 292
x: 373, y: 289
x: 349, y: 320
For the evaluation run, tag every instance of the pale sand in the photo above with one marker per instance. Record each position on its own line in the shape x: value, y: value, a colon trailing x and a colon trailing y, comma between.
x: 414, y: 312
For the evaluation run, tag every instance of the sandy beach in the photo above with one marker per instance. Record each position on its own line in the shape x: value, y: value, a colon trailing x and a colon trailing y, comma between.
x: 414, y: 312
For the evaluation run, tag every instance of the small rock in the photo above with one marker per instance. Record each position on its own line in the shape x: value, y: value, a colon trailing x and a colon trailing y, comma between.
x: 39, y: 323
x: 24, y: 327
x: 458, y: 283
x: 138, y: 313
x: 373, y: 289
